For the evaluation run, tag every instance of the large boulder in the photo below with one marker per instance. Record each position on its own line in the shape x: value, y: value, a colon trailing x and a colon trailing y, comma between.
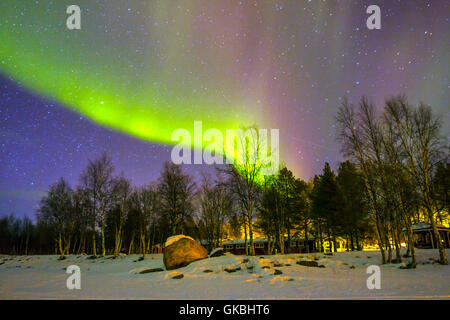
x: 181, y: 250
x: 173, y: 239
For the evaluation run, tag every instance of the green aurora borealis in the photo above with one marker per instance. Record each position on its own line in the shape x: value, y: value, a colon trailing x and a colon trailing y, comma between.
x: 111, y: 77
x: 147, y: 68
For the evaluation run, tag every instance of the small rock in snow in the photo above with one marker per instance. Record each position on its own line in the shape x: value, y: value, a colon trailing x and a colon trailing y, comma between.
x: 149, y: 270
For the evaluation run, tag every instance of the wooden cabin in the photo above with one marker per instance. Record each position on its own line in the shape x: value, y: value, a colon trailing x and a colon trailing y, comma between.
x: 158, y: 248
x: 424, y: 237
x: 295, y: 245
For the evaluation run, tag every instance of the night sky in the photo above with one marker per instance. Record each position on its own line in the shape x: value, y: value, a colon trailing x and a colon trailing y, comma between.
x: 137, y: 70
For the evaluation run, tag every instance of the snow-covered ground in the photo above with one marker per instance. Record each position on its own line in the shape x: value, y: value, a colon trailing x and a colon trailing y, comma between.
x: 344, y: 277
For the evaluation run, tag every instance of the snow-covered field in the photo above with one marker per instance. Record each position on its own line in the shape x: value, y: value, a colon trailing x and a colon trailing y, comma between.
x: 344, y: 277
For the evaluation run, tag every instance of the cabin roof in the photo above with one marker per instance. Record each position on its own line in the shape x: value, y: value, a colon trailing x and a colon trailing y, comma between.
x: 425, y: 226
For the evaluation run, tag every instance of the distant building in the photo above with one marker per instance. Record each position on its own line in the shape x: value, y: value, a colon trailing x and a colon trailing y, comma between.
x: 424, y: 236
x: 158, y: 248
x: 295, y: 245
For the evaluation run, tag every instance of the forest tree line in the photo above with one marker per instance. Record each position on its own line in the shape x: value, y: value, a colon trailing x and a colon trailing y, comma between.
x: 397, y: 174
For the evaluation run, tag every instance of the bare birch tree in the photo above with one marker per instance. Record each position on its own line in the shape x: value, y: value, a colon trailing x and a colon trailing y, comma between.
x: 418, y: 130
x: 96, y: 181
